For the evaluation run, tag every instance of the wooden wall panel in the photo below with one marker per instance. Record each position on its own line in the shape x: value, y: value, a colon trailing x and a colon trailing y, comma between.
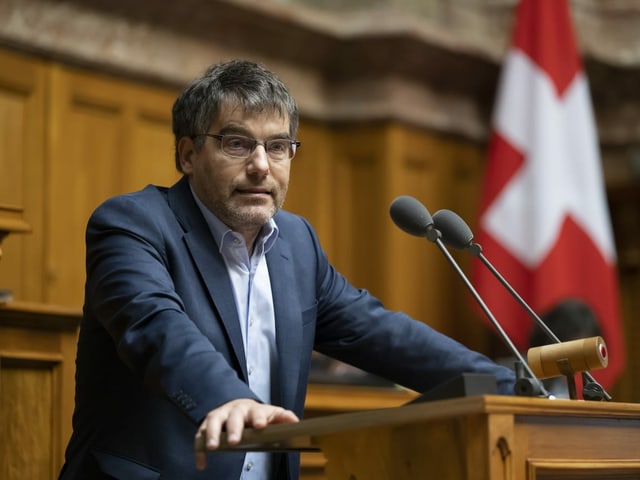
x: 150, y: 159
x: 311, y: 190
x: 108, y: 136
x: 359, y: 205
x: 22, y: 108
x: 375, y: 164
x: 471, y: 327
x: 420, y: 167
x: 87, y: 146
x: 628, y: 387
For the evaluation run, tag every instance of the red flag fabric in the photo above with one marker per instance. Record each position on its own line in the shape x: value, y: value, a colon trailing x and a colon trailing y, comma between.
x: 544, y: 221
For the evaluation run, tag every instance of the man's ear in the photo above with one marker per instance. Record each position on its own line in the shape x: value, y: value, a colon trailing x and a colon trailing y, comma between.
x: 186, y: 152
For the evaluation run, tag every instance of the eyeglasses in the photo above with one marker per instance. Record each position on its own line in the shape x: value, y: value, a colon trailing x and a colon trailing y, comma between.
x: 239, y: 146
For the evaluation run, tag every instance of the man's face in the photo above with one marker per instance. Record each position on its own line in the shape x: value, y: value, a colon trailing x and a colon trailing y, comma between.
x: 242, y: 193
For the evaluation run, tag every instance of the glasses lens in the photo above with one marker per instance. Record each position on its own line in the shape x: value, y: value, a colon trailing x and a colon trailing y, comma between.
x: 237, y: 145
x: 279, y: 149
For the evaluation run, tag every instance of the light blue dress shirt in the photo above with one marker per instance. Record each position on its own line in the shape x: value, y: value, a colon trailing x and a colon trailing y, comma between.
x: 254, y: 302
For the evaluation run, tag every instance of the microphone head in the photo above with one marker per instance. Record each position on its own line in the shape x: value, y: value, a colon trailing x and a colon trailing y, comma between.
x: 455, y: 231
x: 411, y: 216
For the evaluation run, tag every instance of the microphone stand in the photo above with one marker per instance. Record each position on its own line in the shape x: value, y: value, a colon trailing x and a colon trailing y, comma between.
x: 591, y: 390
x: 526, y: 382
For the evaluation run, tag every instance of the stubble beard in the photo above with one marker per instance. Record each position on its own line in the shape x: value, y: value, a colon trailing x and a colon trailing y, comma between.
x: 250, y: 216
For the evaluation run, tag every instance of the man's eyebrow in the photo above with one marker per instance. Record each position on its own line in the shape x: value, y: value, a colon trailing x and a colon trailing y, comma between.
x: 231, y: 128
x: 240, y: 130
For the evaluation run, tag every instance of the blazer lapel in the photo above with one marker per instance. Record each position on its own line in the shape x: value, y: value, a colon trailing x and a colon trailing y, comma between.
x: 288, y: 320
x: 209, y: 263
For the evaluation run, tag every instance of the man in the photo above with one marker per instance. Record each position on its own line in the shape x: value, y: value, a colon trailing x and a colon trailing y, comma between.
x: 204, y: 302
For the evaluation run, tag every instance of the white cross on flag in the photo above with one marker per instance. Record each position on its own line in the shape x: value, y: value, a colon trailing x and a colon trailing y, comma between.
x: 544, y: 221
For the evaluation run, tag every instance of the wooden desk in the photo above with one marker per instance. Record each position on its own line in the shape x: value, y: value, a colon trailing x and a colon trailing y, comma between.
x: 37, y: 368
x: 474, y: 438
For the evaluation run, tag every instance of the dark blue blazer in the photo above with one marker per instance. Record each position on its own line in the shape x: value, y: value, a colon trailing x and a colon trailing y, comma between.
x: 160, y: 342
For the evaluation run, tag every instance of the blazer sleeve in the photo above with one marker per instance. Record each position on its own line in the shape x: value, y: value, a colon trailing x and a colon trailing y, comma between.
x: 355, y: 327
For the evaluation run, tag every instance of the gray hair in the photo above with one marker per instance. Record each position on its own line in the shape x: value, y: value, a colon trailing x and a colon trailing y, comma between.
x: 237, y: 82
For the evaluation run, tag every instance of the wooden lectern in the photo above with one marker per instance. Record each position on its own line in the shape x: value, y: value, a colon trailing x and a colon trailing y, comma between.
x: 486, y: 437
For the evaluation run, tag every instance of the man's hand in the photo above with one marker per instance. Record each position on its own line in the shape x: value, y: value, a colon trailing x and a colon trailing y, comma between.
x: 235, y: 416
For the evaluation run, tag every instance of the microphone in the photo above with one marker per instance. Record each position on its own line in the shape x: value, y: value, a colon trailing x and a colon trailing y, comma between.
x: 456, y: 233
x: 412, y: 217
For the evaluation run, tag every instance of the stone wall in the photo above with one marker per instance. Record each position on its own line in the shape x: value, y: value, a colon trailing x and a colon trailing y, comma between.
x: 433, y: 63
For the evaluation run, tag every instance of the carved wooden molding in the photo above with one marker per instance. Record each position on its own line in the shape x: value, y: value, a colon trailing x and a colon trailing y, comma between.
x: 545, y: 469
x: 435, y: 67
x: 11, y: 221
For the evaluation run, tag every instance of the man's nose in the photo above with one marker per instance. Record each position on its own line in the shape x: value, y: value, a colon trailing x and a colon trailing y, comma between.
x: 258, y: 160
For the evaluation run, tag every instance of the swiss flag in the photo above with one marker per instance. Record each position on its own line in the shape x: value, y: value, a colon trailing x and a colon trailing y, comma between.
x: 544, y: 221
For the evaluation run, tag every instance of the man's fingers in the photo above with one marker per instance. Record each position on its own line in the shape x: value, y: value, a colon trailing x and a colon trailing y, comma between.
x: 285, y: 416
x: 238, y: 417
x: 208, y: 437
x: 235, y: 416
x: 212, y: 426
x: 257, y: 418
x: 199, y: 446
x: 275, y: 415
x: 201, y: 459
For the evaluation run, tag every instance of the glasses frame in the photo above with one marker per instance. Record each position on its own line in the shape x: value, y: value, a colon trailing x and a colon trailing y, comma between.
x: 295, y: 144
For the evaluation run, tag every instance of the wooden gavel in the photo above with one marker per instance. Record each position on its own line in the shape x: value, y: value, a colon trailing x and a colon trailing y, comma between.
x: 567, y: 358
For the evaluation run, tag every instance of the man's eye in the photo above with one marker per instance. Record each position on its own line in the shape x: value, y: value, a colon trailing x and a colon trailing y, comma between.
x: 278, y: 146
x: 236, y: 143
